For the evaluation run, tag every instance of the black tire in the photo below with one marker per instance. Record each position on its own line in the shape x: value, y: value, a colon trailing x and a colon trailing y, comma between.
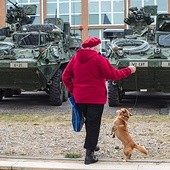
x: 8, y: 93
x: 65, y: 93
x: 113, y: 94
x: 1, y: 95
x: 55, y: 90
x: 17, y: 91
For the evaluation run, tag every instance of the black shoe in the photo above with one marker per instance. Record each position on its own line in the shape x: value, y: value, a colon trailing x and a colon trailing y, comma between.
x: 97, y: 148
x: 90, y: 158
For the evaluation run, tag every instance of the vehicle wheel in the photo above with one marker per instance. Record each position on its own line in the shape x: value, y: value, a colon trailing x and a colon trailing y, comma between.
x: 8, y: 93
x: 17, y: 91
x: 114, y: 97
x: 1, y: 95
x: 55, y: 90
x: 65, y: 93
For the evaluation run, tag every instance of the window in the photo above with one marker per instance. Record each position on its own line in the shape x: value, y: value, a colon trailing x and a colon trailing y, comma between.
x: 68, y: 10
x: 76, y: 20
x: 136, y: 3
x: 64, y: 17
x: 94, y: 33
x: 148, y: 2
x: 162, y: 4
x: 118, y: 18
x: 93, y: 7
x: 106, y: 19
x: 118, y: 6
x: 23, y: 1
x: 63, y: 8
x: 93, y: 12
x: 32, y: 1
x: 76, y: 7
x: 105, y: 12
x: 118, y: 12
x: 51, y: 8
x: 51, y: 1
x: 105, y: 6
x: 93, y: 19
x: 75, y: 12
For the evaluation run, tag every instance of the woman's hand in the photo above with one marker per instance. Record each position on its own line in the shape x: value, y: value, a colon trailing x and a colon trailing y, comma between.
x: 132, y: 68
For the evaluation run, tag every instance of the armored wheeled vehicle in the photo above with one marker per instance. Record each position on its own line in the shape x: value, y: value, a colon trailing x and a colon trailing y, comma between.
x: 17, y: 16
x: 34, y: 58
x: 144, y: 44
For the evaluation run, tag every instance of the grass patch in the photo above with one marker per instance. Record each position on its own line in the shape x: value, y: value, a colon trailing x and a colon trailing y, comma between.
x: 64, y: 119
x: 73, y: 155
x: 35, y: 119
x: 142, y: 118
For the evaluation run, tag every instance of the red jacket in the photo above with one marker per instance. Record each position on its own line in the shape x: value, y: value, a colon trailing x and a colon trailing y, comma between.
x: 86, y: 74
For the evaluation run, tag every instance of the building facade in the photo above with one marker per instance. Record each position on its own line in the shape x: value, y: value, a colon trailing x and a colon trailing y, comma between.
x: 87, y: 17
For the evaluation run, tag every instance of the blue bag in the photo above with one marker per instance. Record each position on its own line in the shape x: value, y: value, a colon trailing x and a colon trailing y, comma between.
x: 77, y: 116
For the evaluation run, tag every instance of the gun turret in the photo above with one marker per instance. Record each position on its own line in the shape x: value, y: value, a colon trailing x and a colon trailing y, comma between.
x: 15, y: 5
x: 18, y: 16
x: 138, y: 20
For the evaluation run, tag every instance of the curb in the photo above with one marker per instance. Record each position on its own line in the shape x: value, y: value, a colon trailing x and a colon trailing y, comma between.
x: 74, y: 164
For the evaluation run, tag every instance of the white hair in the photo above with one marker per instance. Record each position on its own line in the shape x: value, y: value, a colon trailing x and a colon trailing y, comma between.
x: 96, y: 48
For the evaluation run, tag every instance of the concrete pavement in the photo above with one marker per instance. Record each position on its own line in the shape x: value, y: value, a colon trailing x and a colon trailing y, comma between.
x: 78, y: 164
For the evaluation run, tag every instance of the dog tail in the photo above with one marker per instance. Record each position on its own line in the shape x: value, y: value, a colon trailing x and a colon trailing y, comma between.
x: 142, y: 149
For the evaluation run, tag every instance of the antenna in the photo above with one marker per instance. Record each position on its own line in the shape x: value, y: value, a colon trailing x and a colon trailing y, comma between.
x: 55, y: 15
x: 74, y: 21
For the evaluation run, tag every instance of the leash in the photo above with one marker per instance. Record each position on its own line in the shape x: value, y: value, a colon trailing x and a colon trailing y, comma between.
x: 136, y: 88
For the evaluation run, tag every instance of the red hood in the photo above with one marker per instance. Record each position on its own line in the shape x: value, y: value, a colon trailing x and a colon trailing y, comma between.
x: 83, y: 55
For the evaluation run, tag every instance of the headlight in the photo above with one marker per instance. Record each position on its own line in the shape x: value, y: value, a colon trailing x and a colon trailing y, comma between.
x: 55, y: 51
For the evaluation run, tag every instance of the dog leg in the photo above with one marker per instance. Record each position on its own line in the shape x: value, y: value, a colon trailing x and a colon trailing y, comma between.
x: 127, y: 153
x: 113, y: 131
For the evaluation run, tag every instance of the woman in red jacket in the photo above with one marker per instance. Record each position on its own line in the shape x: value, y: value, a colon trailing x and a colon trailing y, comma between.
x: 85, y: 78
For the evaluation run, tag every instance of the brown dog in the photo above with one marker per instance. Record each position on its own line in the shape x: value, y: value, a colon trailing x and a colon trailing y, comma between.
x: 120, y: 130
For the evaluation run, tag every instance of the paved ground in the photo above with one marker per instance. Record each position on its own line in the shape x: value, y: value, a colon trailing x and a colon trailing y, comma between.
x: 67, y: 164
x: 38, y: 102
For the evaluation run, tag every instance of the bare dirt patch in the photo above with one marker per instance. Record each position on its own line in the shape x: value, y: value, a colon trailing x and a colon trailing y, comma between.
x: 52, y: 136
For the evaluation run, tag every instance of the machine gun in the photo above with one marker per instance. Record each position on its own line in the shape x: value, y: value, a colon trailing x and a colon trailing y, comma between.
x: 139, y: 19
x: 18, y: 16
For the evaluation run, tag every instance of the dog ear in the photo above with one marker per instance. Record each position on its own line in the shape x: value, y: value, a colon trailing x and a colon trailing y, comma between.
x: 118, y: 112
x: 123, y: 110
x: 130, y: 114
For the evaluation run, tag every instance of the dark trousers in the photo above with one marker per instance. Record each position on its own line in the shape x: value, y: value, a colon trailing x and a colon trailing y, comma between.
x: 93, y: 114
